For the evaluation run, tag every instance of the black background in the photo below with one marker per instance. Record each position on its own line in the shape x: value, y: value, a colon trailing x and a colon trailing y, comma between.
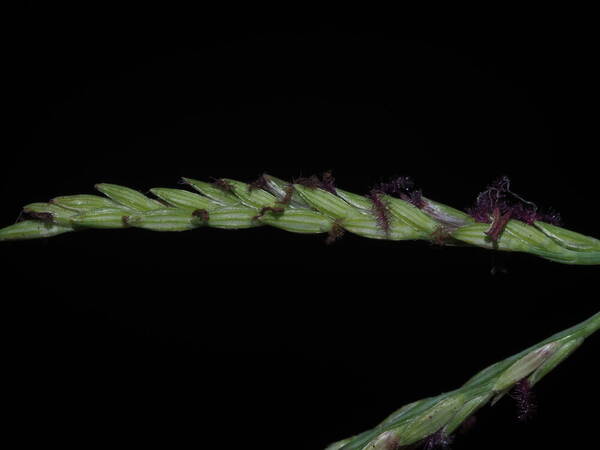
x: 258, y: 338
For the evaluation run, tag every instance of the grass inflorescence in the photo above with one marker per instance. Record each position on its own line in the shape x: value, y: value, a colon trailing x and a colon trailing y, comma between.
x: 395, y: 210
x: 431, y: 423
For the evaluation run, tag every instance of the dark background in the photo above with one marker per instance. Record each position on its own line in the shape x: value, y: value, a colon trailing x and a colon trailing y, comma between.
x: 258, y: 338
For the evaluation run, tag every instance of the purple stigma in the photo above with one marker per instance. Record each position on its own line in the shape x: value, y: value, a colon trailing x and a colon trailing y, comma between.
x: 523, y: 395
x: 498, y: 201
x: 439, y: 439
x: 326, y: 182
x: 404, y: 188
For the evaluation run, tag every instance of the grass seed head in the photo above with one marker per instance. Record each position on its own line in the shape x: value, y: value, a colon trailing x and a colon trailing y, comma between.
x: 378, y: 215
